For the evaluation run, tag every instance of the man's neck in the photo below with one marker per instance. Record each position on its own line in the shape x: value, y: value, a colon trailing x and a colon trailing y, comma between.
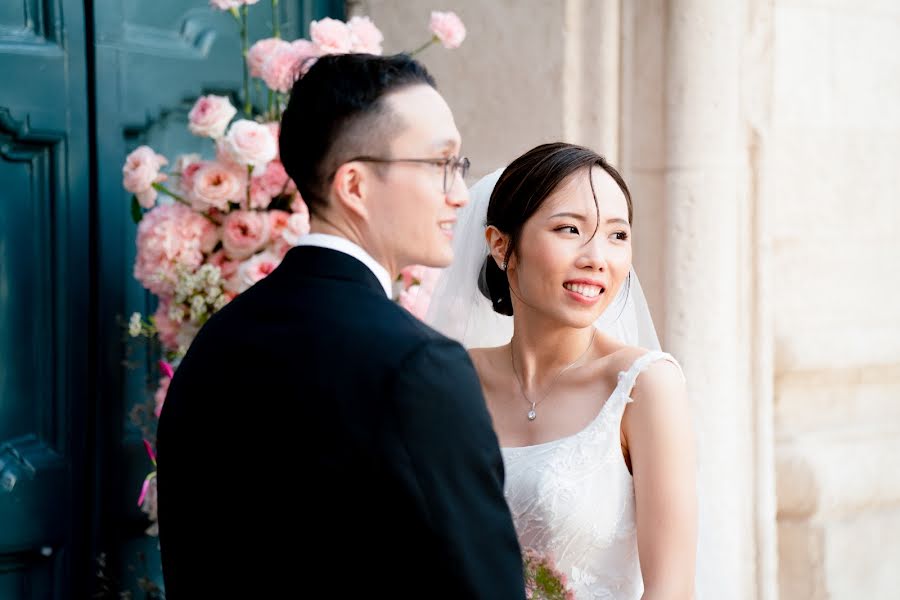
x: 353, y: 235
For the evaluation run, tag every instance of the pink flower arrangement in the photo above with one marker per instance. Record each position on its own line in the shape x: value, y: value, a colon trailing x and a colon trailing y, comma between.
x: 213, y: 225
x: 543, y: 580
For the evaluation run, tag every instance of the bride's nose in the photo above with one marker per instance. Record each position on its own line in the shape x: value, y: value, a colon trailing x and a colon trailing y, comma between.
x: 592, y: 256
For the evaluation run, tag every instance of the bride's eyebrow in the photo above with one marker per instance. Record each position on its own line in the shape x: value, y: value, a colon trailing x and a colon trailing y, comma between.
x: 576, y: 216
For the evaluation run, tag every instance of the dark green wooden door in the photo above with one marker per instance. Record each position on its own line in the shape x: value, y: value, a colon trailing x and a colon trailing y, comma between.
x: 45, y: 287
x: 82, y: 84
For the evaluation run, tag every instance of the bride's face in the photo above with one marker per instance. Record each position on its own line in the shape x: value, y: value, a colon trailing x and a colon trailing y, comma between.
x: 569, y: 265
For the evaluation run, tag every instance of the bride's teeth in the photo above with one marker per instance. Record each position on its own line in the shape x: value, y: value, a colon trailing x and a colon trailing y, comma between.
x: 588, y: 291
x: 447, y: 226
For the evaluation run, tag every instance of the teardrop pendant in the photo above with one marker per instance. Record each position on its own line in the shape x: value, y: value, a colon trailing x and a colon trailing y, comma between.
x: 532, y: 415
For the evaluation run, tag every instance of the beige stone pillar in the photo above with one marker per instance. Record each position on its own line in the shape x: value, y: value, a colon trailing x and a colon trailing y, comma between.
x: 712, y: 289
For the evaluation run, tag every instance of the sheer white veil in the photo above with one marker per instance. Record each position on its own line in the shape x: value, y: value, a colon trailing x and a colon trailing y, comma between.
x: 459, y: 310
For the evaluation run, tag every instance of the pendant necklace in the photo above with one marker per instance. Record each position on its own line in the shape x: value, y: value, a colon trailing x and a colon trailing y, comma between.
x: 532, y: 414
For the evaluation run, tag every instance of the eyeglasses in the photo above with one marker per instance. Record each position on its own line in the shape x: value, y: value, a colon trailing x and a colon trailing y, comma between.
x: 452, y: 166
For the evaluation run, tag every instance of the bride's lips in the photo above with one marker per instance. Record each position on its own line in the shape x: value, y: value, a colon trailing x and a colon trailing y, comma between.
x: 447, y: 227
x: 585, y: 291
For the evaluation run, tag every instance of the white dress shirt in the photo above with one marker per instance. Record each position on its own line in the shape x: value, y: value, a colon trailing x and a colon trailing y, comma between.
x: 333, y: 242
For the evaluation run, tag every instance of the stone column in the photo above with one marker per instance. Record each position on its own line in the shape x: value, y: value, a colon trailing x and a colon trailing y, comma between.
x: 712, y: 292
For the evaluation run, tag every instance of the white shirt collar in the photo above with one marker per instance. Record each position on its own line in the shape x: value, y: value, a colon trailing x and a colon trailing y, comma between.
x: 333, y: 242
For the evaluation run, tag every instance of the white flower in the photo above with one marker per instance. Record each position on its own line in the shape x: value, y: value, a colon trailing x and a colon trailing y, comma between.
x: 134, y: 325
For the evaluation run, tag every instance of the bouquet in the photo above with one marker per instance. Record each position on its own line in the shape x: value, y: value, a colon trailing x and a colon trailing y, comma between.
x: 543, y: 581
x: 209, y: 227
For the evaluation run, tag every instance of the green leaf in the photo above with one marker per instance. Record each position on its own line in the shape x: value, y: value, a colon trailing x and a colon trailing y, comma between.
x: 136, y: 213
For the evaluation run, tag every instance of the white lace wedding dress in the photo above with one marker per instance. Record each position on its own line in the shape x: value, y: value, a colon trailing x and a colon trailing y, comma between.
x: 573, y: 498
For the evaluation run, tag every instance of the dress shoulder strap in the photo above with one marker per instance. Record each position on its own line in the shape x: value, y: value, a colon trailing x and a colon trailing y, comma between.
x: 627, y: 379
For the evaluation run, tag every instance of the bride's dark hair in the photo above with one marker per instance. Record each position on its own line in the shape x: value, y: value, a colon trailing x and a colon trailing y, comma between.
x: 521, y: 190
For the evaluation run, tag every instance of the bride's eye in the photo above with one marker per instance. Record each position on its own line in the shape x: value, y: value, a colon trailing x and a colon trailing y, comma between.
x: 568, y: 229
x: 621, y: 236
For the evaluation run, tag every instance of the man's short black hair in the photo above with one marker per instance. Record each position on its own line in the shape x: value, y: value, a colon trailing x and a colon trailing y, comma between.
x: 336, y: 111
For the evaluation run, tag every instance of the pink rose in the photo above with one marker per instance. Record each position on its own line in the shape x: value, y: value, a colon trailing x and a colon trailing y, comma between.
x: 278, y: 220
x: 215, y: 185
x: 298, y: 205
x: 186, y: 182
x: 331, y: 36
x: 244, y: 232
x: 167, y: 328
x: 160, y: 395
x: 260, y: 198
x: 140, y: 172
x: 260, y: 52
x: 367, y: 38
x: 274, y: 180
x: 255, y: 269
x: 226, y: 267
x: 251, y: 144
x: 448, y: 28
x: 229, y: 4
x: 297, y: 226
x: 210, y: 116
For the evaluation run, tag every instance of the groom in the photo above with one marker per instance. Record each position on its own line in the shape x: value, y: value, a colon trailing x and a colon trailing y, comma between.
x: 312, y: 416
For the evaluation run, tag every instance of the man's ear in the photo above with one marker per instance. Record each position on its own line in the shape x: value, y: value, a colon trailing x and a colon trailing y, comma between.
x: 349, y: 188
x: 497, y: 243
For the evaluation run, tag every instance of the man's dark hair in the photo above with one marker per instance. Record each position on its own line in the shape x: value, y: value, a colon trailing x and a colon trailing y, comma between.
x: 337, y: 111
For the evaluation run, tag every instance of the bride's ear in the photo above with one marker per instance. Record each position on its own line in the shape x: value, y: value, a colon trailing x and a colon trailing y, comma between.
x: 497, y: 243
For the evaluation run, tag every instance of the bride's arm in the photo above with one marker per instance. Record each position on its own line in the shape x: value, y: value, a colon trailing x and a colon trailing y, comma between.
x: 660, y: 442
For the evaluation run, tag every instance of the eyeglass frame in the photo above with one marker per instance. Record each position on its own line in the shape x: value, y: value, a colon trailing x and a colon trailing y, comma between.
x: 460, y: 165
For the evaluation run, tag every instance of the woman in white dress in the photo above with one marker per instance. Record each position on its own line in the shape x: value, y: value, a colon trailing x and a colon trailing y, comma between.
x: 595, y: 432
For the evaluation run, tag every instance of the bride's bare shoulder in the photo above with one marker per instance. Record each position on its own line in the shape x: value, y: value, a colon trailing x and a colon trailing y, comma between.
x: 486, y: 360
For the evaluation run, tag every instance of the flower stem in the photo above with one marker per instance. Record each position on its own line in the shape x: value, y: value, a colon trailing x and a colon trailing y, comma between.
x: 423, y: 46
x: 161, y: 188
x: 276, y: 25
x: 245, y: 48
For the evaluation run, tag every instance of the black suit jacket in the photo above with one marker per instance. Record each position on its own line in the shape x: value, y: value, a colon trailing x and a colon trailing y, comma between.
x: 318, y: 441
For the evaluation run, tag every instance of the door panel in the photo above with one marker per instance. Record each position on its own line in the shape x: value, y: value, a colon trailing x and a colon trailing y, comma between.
x: 44, y: 298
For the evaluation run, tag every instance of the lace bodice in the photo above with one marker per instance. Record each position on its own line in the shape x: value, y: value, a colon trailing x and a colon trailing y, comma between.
x: 574, y: 499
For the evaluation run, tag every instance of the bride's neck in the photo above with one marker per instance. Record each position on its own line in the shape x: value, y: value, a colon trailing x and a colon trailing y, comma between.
x: 541, y: 349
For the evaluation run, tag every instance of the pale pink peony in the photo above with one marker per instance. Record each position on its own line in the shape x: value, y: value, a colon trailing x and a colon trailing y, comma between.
x: 448, y: 28
x: 160, y: 396
x: 169, y: 236
x: 309, y: 52
x: 229, y: 4
x: 210, y: 116
x: 260, y: 52
x: 166, y: 328
x: 282, y: 68
x: 251, y: 144
x: 141, y: 171
x: 367, y: 38
x: 297, y: 226
x: 244, y: 232
x: 214, y: 185
x: 255, y: 269
x: 331, y: 36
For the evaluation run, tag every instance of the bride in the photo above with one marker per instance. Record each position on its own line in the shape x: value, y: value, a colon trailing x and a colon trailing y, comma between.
x: 593, y: 420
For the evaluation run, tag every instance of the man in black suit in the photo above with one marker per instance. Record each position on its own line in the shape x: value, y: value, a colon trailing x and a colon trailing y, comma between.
x: 312, y: 417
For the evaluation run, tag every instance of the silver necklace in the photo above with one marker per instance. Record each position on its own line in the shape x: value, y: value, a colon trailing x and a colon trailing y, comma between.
x: 532, y: 414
